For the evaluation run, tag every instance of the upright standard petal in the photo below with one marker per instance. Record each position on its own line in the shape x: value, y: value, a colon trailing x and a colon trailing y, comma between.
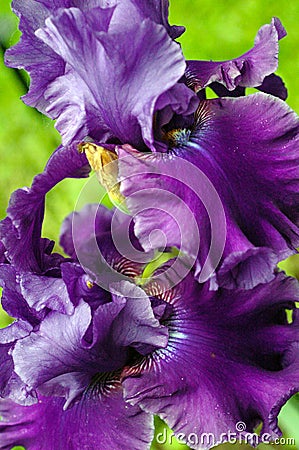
x: 111, y: 88
x: 73, y: 85
x: 31, y: 54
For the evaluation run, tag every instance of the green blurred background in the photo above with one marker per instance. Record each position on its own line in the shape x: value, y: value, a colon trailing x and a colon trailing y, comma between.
x: 215, y: 30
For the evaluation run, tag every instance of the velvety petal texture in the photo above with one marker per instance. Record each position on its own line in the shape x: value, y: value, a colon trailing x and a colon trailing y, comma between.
x: 231, y: 356
x: 89, y: 343
x: 248, y: 70
x: 90, y: 423
x: 248, y: 150
x: 202, y: 361
x: 71, y: 339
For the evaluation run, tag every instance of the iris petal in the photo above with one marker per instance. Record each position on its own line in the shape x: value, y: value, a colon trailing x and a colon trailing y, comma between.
x: 248, y: 150
x: 111, y: 112
x: 248, y: 70
x: 45, y: 425
x: 231, y: 357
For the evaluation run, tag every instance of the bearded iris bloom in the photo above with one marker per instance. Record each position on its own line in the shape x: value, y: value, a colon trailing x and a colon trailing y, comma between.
x: 103, y: 341
x: 83, y: 365
x: 145, y: 95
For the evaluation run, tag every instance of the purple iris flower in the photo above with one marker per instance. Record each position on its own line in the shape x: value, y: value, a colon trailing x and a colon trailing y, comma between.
x: 115, y: 75
x: 86, y: 334
x: 82, y: 365
x: 97, y: 348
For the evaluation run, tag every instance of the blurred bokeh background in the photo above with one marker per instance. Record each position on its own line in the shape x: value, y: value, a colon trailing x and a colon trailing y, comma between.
x: 217, y: 30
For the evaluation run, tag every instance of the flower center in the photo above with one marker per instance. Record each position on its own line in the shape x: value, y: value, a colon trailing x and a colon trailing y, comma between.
x: 177, y: 137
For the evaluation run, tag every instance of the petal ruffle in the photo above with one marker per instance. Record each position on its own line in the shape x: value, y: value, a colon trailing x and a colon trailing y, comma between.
x: 31, y: 54
x: 20, y: 232
x: 46, y: 292
x: 107, y: 421
x: 89, y: 343
x: 247, y: 148
x: 103, y: 112
x: 55, y: 349
x: 248, y: 70
x: 45, y: 65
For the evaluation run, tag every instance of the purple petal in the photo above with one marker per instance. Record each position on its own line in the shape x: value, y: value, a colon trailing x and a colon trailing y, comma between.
x: 144, y: 178
x: 20, y: 232
x: 247, y: 268
x: 55, y: 349
x: 61, y: 358
x: 154, y: 60
x: 31, y: 54
x: 259, y: 163
x: 45, y: 65
x: 157, y: 10
x: 79, y: 286
x: 232, y: 356
x: 274, y: 85
x: 222, y: 91
x: 12, y: 300
x: 89, y: 343
x: 104, y: 244
x: 249, y: 70
x: 136, y: 325
x: 6, y: 367
x: 106, y: 420
x: 2, y: 253
x: 41, y: 62
x: 44, y: 292
x: 16, y: 330
x: 92, y: 219
x: 178, y: 100
x: 245, y: 150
